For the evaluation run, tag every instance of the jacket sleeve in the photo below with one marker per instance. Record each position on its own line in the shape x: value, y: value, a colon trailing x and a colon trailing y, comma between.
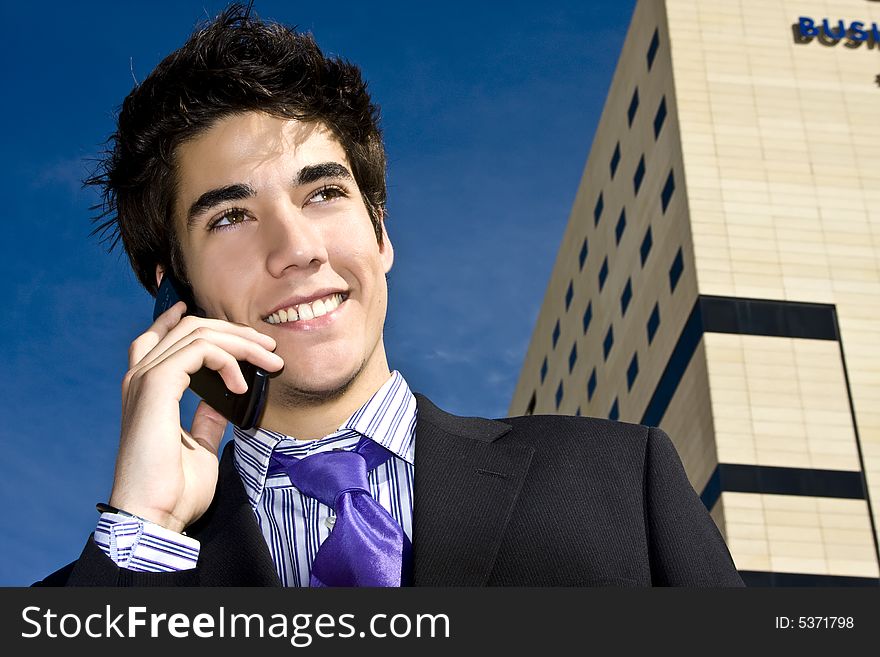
x: 94, y: 568
x: 686, y: 548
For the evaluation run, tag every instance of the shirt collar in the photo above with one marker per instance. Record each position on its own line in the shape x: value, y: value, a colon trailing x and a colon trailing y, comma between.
x: 388, y: 417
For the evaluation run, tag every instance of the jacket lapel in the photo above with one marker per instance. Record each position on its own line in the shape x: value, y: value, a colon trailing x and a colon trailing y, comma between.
x: 233, y: 551
x: 465, y: 491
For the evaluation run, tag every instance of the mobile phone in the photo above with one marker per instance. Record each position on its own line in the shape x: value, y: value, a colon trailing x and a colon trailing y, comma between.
x: 243, y: 410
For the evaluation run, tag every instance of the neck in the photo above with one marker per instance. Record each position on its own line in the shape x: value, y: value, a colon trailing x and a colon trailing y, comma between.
x: 306, y: 418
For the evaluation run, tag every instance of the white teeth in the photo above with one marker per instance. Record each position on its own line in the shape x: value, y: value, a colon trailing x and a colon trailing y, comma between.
x: 316, y: 308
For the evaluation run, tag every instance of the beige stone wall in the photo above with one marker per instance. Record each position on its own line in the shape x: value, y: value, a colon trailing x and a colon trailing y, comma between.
x: 780, y: 402
x: 775, y: 149
x: 650, y: 283
x: 798, y: 534
x: 781, y: 149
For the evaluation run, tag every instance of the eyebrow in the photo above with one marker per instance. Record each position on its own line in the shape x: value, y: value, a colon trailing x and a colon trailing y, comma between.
x: 215, y: 197
x: 239, y: 191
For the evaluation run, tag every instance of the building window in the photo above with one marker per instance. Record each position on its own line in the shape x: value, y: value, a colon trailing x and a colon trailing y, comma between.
x: 653, y: 322
x: 632, y: 371
x: 569, y: 294
x: 591, y: 385
x: 668, y: 189
x: 608, y: 342
x: 639, y: 175
x: 615, y: 160
x: 577, y: 413
x: 588, y: 316
x: 531, y: 407
x: 584, y: 251
x: 597, y: 211
x: 626, y: 297
x: 675, y: 270
x: 544, y: 370
x: 572, y: 357
x: 652, y: 49
x: 660, y: 117
x: 556, y: 334
x: 603, y: 273
x: 621, y: 226
x: 647, y: 243
x: 558, y: 395
x: 633, y: 107
x: 614, y: 413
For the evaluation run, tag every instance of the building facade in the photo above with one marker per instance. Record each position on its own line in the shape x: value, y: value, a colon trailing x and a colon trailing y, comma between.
x: 719, y: 275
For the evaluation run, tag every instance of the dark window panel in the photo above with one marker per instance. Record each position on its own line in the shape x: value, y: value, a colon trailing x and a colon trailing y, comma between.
x: 559, y: 393
x: 588, y: 316
x: 585, y: 249
x: 647, y: 243
x: 614, y: 413
x: 615, y: 160
x: 633, y: 107
x: 632, y: 371
x: 660, y: 117
x: 653, y: 322
x: 668, y: 189
x: 544, y: 370
x: 597, y: 211
x: 621, y: 226
x: 639, y: 175
x: 569, y: 294
x: 591, y: 385
x: 675, y: 270
x: 608, y: 342
x: 626, y: 297
x: 603, y: 273
x: 556, y: 334
x: 532, y: 402
x: 572, y: 357
x: 652, y: 49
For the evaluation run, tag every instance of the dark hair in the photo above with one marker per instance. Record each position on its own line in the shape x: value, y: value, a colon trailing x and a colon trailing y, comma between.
x: 237, y: 63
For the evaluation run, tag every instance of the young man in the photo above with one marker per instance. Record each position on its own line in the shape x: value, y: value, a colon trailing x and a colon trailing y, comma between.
x: 251, y: 168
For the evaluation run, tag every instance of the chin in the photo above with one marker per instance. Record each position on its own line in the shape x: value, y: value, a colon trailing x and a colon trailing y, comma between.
x: 312, y: 387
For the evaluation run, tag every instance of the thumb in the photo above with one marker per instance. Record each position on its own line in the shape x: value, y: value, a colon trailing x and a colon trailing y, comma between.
x: 208, y: 427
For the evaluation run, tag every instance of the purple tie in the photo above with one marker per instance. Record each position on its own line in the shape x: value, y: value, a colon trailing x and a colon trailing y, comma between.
x: 366, y: 547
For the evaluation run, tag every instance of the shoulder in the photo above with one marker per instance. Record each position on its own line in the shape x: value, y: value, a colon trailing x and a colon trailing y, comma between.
x: 554, y: 435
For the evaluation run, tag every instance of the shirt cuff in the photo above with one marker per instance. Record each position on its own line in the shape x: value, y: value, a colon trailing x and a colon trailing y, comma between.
x: 144, y: 546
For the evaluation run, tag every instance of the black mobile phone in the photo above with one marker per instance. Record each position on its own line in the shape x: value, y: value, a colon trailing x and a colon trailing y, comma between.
x: 243, y: 410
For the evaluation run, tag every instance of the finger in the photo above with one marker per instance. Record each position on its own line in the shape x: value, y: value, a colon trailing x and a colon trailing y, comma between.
x: 239, y: 347
x: 145, y: 342
x: 197, y: 327
x: 208, y: 427
x: 172, y: 372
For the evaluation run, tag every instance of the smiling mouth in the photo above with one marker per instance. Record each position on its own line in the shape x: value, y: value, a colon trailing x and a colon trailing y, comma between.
x: 306, y: 311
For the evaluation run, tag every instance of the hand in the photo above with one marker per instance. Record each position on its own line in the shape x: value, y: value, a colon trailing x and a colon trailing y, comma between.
x: 164, y: 473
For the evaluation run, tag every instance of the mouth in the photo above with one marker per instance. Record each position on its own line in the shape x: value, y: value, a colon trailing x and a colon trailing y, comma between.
x: 308, y: 310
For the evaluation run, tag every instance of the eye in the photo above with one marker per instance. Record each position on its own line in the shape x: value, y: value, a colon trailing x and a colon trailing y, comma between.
x: 229, y: 219
x: 326, y: 194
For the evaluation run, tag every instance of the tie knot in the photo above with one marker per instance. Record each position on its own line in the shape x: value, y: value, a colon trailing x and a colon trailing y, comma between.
x: 325, y: 476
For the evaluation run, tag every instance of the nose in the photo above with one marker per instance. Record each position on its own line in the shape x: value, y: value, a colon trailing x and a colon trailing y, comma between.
x: 293, y: 241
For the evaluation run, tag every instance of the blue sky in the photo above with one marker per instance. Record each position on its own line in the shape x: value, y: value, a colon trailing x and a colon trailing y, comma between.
x: 489, y: 111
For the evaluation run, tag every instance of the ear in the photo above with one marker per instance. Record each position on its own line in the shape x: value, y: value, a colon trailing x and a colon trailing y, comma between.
x: 386, y: 249
x: 160, y: 272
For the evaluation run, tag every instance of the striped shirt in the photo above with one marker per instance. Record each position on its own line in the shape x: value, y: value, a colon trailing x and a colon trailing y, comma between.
x: 293, y: 524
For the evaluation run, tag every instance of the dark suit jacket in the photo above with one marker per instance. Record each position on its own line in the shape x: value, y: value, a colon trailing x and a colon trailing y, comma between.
x: 526, y: 501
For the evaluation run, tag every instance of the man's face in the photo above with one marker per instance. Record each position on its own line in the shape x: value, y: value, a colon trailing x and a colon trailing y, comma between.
x: 275, y: 234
